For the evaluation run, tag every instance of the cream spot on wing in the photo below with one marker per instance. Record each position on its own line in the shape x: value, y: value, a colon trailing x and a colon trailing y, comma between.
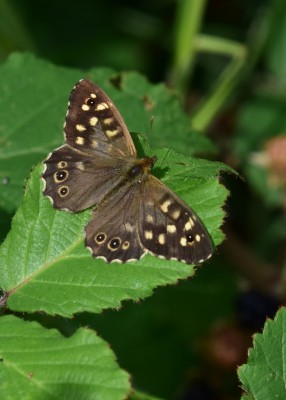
x: 112, y: 133
x: 198, y: 238
x: 148, y: 235
x: 79, y: 165
x: 101, y: 106
x: 164, y: 207
x: 150, y: 219
x: 176, y: 214
x: 126, y: 245
x: 108, y: 121
x: 65, y: 124
x: 183, y: 241
x: 101, y: 258
x: 129, y: 227
x: 162, y: 238
x: 94, y: 144
x: 80, y: 128
x: 189, y: 225
x: 85, y: 107
x: 116, y: 260
x: 93, y: 95
x: 62, y: 164
x: 93, y: 121
x: 171, y: 228
x: 79, y: 140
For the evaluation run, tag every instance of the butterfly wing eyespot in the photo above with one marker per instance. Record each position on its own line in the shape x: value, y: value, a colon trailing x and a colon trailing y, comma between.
x: 60, y: 176
x: 90, y: 102
x: 100, y: 237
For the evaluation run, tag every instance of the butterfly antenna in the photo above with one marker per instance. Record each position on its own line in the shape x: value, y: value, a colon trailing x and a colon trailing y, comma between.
x: 149, y: 132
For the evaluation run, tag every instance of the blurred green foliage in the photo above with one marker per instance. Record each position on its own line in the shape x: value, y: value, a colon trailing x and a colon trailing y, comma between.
x: 228, y: 66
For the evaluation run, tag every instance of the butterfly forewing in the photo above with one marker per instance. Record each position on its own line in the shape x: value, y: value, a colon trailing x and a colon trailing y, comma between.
x: 76, y: 181
x: 98, y: 150
x: 135, y: 212
x: 92, y: 120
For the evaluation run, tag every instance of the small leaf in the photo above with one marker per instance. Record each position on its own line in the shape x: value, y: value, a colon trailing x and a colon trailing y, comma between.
x: 264, y: 375
x: 37, y: 363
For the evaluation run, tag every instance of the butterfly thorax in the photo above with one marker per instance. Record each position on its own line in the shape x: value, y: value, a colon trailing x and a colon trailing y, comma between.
x: 141, y: 168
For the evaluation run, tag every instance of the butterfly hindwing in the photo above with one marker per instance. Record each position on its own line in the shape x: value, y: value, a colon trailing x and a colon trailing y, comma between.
x: 113, y: 232
x: 169, y: 228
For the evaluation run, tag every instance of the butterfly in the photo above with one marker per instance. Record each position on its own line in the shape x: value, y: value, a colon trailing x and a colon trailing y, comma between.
x: 135, y: 213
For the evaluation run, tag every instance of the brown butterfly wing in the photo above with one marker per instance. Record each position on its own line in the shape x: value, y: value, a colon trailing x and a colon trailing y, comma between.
x: 113, y: 232
x: 147, y: 217
x: 169, y: 227
x: 75, y: 181
x: 98, y: 152
x: 93, y: 121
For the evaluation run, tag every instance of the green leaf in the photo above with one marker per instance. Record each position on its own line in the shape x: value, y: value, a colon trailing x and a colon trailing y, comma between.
x: 33, y: 103
x: 264, y: 375
x: 165, y: 124
x: 37, y: 363
x: 45, y: 266
x: 142, y: 396
x: 169, y: 326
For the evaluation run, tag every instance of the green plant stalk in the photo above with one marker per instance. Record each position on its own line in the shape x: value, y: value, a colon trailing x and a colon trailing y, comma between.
x: 224, y: 87
x: 217, y: 45
x: 187, y: 25
x: 227, y: 81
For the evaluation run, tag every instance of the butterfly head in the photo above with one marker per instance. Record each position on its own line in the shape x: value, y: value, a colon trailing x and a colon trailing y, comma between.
x: 142, y: 167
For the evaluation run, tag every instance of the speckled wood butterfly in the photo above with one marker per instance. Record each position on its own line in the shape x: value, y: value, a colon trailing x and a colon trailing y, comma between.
x: 135, y: 212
